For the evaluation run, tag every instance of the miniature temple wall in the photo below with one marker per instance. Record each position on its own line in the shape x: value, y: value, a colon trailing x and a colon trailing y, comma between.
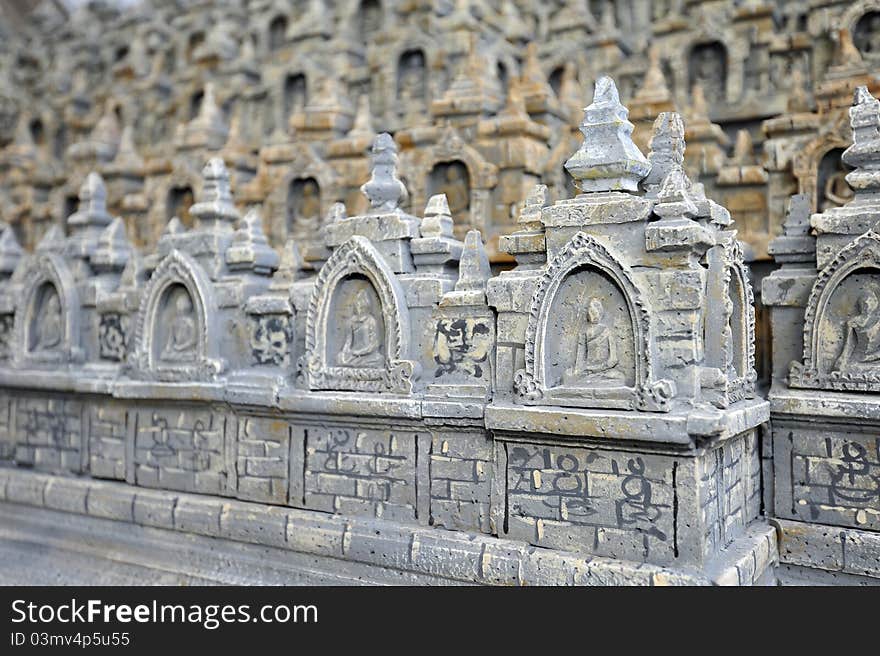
x: 598, y: 399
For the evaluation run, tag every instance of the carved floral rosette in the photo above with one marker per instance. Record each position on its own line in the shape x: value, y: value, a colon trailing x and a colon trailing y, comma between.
x: 861, y: 255
x: 42, y: 270
x: 530, y: 384
x: 176, y: 269
x: 358, y: 257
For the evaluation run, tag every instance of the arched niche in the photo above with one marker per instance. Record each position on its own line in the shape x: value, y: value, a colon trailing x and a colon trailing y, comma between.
x: 842, y: 322
x: 555, y: 79
x: 303, y: 208
x: 707, y: 65
x: 46, y: 325
x: 295, y: 94
x: 832, y: 189
x: 180, y: 200
x: 587, y: 340
x: 175, y: 339
x: 453, y: 179
x: 866, y: 33
x: 412, y: 73
x: 277, y: 33
x: 195, y: 103
x: 357, y: 326
x: 369, y: 19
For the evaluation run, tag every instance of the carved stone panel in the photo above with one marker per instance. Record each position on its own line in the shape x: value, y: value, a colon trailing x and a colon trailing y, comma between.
x: 842, y: 322
x: 587, y: 341
x: 357, y: 329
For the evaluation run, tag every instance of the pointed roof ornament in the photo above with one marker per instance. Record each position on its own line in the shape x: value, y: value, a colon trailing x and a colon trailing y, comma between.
x: 363, y: 119
x: 174, y: 227
x: 10, y: 252
x: 214, y: 206
x: 674, y: 199
x: 249, y: 248
x: 127, y: 158
x: 743, y: 149
x: 699, y: 106
x: 846, y: 53
x: 795, y: 244
x: 92, y: 204
x: 289, y: 266
x: 438, y: 220
x: 667, y: 149
x: 113, y: 249
x: 798, y: 98
x: 52, y: 241
x: 864, y: 153
x: 384, y: 189
x: 607, y: 160
x: 570, y: 92
x: 654, y: 87
x: 473, y: 273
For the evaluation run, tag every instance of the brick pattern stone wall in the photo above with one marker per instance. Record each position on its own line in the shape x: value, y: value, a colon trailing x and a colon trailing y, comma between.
x: 181, y: 449
x: 460, y: 480
x: 601, y: 501
x: 108, y: 430
x: 357, y: 471
x: 828, y: 475
x: 7, y: 434
x: 48, y: 432
x: 262, y: 459
x: 729, y: 491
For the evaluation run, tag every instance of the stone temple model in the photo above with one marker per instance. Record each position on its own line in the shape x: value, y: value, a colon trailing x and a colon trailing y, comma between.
x: 418, y: 292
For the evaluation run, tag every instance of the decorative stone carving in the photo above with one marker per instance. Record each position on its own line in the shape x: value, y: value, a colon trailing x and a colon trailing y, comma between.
x: 357, y: 329
x: 174, y: 338
x: 606, y: 363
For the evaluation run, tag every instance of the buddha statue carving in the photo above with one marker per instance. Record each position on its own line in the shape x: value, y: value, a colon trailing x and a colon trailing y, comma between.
x: 182, y: 331
x: 861, y: 344
x: 596, y: 360
x: 49, y: 327
x: 362, y: 335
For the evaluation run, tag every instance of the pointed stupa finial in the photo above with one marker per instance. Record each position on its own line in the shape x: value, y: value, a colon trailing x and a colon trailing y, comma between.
x: 795, y: 244
x: 249, y: 249
x: 864, y: 153
x: 743, y: 149
x: 384, y: 189
x: 363, y: 119
x: 699, y: 106
x: 473, y: 273
x: 127, y: 157
x: 174, y: 227
x: 607, y: 160
x: 654, y: 87
x: 570, y: 92
x: 214, y: 206
x: 113, y: 250
x: 438, y: 220
x: 52, y: 241
x: 667, y: 148
x: 92, y: 204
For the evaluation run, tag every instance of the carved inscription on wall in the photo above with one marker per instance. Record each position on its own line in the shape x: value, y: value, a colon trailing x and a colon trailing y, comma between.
x: 360, y: 471
x: 829, y: 477
x: 48, y: 432
x: 181, y: 449
x: 462, y: 346
x: 597, y: 501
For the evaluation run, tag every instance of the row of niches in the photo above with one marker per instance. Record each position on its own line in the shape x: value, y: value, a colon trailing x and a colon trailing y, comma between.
x: 633, y: 295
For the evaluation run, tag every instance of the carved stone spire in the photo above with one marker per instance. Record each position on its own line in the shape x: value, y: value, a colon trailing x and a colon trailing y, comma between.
x: 214, y: 207
x: 473, y: 267
x: 363, y: 120
x: 570, y: 93
x: 384, y: 189
x: 608, y: 160
x: 113, y: 249
x: 864, y: 153
x: 127, y: 159
x: 52, y: 241
x: 743, y: 149
x: 92, y: 205
x: 249, y: 248
x: 208, y: 129
x: 654, y: 88
x: 667, y: 149
x: 795, y: 244
x: 438, y: 220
